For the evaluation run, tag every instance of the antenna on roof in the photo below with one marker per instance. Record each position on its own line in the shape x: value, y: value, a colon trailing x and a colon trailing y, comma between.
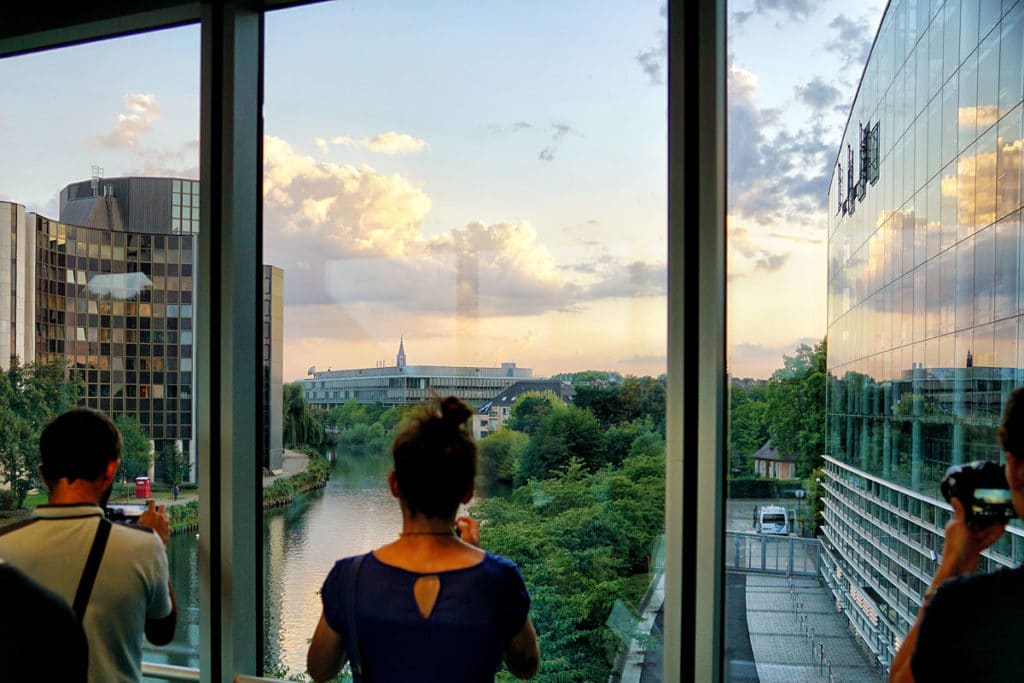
x: 97, y: 173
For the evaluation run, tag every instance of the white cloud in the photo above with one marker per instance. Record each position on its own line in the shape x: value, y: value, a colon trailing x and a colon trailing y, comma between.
x: 143, y: 110
x: 390, y: 143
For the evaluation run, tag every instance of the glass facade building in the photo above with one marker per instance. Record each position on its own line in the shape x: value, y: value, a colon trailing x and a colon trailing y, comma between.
x: 925, y: 297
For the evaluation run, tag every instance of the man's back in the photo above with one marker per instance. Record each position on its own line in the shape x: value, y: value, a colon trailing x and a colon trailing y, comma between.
x: 131, y: 583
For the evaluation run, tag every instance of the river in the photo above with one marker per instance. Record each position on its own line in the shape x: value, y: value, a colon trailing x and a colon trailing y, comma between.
x: 354, y: 513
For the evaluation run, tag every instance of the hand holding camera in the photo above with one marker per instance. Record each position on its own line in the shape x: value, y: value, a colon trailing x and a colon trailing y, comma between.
x: 982, y: 505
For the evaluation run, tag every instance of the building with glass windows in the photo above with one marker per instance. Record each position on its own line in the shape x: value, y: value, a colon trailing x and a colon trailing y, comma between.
x: 401, y: 383
x: 925, y: 298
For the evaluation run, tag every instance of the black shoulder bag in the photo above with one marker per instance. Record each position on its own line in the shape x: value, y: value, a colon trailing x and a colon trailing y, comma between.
x: 351, y: 637
x: 92, y: 566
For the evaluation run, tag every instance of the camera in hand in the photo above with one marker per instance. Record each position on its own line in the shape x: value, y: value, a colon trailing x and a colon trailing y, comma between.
x: 982, y: 488
x: 127, y: 513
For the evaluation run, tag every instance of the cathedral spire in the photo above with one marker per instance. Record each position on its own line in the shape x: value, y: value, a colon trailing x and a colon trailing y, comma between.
x: 400, y: 360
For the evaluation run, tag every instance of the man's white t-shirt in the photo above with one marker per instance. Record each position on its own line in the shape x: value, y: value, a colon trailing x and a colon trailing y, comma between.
x: 131, y: 584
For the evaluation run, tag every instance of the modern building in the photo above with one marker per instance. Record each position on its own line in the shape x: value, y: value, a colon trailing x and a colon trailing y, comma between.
x: 108, y: 288
x: 491, y: 416
x: 402, y: 383
x: 925, y: 298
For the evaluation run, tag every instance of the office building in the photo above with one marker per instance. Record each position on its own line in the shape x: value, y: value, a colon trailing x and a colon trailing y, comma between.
x: 403, y: 383
x: 925, y: 298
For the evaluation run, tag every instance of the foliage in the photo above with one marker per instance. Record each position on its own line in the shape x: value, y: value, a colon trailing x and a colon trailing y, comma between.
x: 30, y: 396
x: 634, y: 398
x: 788, y: 411
x: 352, y: 413
x: 566, y: 433
x: 815, y: 487
x: 619, y: 439
x: 7, y: 499
x: 136, y: 449
x: 302, y: 425
x: 796, y: 407
x: 583, y: 541
x: 748, y: 424
x: 499, y: 455
x: 174, y: 466
x: 529, y: 410
x: 588, y: 377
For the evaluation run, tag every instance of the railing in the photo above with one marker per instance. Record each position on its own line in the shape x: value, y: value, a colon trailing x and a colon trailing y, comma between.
x: 170, y: 672
x: 768, y: 554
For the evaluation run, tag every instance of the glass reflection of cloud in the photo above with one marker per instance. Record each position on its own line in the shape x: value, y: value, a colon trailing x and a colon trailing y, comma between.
x: 119, y: 285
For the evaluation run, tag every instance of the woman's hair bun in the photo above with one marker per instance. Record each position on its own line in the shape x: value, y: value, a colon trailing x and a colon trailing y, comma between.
x: 454, y: 412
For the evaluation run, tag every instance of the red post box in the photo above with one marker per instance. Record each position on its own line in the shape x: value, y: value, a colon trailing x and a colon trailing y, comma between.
x: 142, y: 487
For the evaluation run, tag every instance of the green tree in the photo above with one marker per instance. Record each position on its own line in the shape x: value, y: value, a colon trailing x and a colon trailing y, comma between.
x: 796, y: 407
x: 173, y: 464
x: 748, y: 423
x: 499, y: 455
x: 530, y: 408
x: 30, y: 396
x: 302, y: 425
x: 565, y: 434
x: 136, y: 449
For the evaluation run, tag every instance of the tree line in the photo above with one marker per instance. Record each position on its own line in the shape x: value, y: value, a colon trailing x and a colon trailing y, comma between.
x: 787, y: 410
x: 584, y: 515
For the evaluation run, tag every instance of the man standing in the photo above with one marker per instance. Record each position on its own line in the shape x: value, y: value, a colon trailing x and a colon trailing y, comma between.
x: 114, y: 576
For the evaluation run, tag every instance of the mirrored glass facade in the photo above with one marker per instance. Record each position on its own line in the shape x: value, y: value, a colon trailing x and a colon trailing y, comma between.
x: 926, y: 296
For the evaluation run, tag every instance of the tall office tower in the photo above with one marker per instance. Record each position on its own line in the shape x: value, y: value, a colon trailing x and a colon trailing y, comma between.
x: 925, y: 298
x: 115, y: 278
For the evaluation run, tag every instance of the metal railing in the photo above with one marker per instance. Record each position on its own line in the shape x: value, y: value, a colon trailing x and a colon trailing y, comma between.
x: 170, y: 672
x: 768, y: 554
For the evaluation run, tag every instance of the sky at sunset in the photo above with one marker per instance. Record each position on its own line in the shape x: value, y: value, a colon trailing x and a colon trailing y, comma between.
x: 486, y: 180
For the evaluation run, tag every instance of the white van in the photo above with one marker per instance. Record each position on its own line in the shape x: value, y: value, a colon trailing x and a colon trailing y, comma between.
x: 773, y: 519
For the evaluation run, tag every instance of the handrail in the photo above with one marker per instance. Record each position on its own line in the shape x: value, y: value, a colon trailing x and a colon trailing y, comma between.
x: 171, y: 672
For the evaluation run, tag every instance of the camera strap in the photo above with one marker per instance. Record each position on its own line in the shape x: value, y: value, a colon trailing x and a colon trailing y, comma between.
x: 92, y: 566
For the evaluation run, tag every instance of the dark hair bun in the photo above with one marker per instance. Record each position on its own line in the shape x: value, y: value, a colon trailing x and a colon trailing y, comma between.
x: 454, y: 412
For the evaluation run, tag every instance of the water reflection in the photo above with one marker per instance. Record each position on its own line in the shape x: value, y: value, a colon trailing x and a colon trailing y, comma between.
x: 353, y: 514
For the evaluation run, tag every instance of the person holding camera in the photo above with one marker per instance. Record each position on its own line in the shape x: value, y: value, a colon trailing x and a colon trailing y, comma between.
x: 966, y: 629
x: 114, y: 576
x: 430, y: 606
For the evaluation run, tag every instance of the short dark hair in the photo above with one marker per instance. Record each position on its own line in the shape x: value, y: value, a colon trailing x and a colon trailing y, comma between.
x: 435, y: 459
x: 78, y: 445
x: 1011, y: 430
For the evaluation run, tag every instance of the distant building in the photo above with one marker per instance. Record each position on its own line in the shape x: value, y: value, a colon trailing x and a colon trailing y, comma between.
x: 401, y: 383
x: 768, y: 463
x: 492, y: 415
x: 273, y: 367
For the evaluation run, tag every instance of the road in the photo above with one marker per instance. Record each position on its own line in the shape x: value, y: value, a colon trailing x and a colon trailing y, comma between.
x: 751, y: 550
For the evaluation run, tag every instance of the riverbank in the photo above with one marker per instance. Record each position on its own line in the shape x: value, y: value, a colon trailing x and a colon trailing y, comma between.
x: 300, y: 474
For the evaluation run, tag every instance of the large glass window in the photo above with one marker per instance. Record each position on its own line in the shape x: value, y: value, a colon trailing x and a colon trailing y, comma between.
x: 453, y: 217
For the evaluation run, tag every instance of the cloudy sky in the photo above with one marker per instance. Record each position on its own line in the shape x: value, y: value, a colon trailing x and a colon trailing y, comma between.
x: 487, y: 180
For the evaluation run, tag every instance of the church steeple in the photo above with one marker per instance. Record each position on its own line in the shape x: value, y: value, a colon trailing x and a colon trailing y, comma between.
x: 400, y: 360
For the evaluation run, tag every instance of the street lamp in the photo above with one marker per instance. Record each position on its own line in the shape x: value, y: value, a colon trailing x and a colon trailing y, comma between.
x: 800, y: 493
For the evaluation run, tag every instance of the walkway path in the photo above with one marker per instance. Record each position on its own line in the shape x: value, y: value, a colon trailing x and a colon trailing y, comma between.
x: 787, y: 619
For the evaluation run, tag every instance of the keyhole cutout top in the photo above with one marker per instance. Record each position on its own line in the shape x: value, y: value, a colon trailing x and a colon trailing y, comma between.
x: 425, y: 590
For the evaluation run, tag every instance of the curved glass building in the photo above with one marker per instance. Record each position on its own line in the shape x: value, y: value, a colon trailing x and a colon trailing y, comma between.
x: 926, y: 297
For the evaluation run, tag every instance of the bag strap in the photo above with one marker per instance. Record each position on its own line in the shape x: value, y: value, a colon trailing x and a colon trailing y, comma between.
x: 351, y: 637
x: 92, y: 566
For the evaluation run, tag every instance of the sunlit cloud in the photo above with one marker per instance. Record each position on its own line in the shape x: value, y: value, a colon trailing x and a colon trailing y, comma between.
x: 143, y: 110
x: 391, y: 143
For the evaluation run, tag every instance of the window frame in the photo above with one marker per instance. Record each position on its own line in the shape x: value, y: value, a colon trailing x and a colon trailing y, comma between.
x: 229, y: 291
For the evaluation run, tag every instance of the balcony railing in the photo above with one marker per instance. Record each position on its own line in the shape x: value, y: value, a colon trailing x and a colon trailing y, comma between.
x: 768, y: 554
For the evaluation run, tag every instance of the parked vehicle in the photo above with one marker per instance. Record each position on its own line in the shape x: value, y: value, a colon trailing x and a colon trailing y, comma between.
x: 773, y: 519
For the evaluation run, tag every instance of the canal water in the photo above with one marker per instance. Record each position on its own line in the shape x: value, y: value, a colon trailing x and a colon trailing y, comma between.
x: 354, y: 513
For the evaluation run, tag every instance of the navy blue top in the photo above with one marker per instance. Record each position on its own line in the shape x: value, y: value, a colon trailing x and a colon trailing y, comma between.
x: 477, y: 610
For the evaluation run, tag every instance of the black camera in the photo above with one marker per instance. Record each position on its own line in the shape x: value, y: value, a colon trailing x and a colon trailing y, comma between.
x: 127, y: 513
x: 982, y: 488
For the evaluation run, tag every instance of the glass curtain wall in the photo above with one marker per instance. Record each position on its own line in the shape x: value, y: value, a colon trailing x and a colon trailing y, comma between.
x: 925, y: 324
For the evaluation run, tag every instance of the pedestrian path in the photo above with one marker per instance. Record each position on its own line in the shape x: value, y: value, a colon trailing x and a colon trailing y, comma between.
x: 798, y: 636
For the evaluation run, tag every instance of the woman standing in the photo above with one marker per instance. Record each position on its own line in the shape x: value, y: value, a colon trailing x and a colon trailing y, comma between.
x: 431, y: 605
